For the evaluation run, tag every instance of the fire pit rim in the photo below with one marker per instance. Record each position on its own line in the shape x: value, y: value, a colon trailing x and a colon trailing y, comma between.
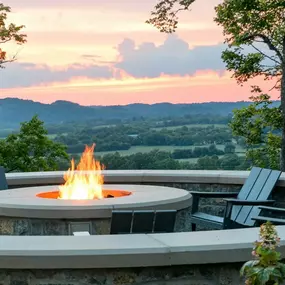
x: 22, y: 202
x: 115, y: 193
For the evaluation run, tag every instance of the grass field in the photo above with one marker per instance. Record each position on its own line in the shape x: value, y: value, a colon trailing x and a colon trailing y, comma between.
x: 193, y: 126
x: 194, y: 160
x: 145, y: 149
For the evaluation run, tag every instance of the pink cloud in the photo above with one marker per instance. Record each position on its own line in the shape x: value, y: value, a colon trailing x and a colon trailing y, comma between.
x: 202, y: 87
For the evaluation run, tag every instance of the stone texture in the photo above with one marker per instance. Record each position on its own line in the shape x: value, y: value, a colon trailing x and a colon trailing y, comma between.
x: 37, y: 227
x: 218, y: 274
x: 101, y: 226
x: 22, y: 227
x: 182, y: 223
x: 6, y: 226
x: 12, y: 226
x: 55, y: 228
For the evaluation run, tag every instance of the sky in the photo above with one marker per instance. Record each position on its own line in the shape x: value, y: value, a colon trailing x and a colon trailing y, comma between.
x: 101, y: 52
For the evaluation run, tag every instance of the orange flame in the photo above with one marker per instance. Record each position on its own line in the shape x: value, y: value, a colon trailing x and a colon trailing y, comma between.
x: 86, y: 182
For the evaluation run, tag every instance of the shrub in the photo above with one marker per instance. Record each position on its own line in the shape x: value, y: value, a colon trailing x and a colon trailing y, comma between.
x: 266, y: 268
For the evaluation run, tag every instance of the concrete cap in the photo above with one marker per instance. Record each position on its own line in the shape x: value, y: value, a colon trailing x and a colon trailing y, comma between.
x: 140, y: 176
x: 24, y: 203
x: 136, y: 250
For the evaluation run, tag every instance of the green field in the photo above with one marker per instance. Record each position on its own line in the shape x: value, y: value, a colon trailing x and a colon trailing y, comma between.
x: 143, y: 149
x: 193, y: 126
x: 194, y: 160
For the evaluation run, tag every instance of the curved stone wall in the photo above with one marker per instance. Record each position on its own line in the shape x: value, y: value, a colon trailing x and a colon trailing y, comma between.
x: 22, y: 212
x: 199, y: 258
x: 195, y: 180
x: 212, y: 258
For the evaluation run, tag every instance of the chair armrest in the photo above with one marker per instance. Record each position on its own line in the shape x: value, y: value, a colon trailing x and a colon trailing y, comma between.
x: 233, y: 202
x: 249, y: 202
x: 261, y: 219
x: 213, y: 194
x: 272, y: 209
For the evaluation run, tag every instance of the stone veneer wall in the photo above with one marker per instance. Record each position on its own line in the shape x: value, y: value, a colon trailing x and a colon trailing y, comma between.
x: 52, y: 227
x: 36, y: 227
x: 218, y: 274
x: 20, y: 226
x: 217, y: 206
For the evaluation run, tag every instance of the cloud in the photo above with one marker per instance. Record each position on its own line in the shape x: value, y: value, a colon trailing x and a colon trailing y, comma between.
x: 29, y: 74
x: 81, y: 4
x: 92, y: 56
x: 173, y: 57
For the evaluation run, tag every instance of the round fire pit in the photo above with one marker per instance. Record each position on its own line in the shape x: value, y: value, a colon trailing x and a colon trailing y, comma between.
x: 106, y: 194
x: 38, y: 211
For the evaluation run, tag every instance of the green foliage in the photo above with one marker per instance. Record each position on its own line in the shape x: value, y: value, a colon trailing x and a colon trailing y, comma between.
x: 67, y: 115
x: 230, y: 148
x: 164, y: 17
x: 163, y: 160
x: 123, y: 137
x: 31, y: 149
x: 254, y: 31
x: 266, y: 269
x: 8, y: 33
x: 258, y: 24
x: 260, y: 125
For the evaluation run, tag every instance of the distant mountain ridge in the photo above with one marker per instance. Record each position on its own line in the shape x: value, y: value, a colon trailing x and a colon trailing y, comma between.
x: 13, y: 111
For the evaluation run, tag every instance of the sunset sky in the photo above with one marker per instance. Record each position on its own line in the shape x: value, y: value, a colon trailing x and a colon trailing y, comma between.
x: 101, y: 52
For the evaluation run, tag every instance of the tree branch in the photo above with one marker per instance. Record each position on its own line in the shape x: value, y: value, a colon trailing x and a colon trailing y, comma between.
x: 267, y: 41
x: 14, y: 58
x: 5, y: 41
x: 276, y: 85
x: 265, y: 55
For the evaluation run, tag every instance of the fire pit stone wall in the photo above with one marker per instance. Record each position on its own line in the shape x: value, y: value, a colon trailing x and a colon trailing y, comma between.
x: 25, y: 212
x: 206, y: 181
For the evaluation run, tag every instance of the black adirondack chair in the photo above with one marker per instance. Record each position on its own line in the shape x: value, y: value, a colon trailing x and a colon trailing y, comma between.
x: 271, y: 214
x: 242, y: 206
x: 3, y: 181
x: 144, y: 221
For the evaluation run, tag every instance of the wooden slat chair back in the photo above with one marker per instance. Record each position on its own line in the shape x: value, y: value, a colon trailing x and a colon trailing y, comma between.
x: 3, y: 180
x: 143, y: 221
x: 241, y: 207
x: 258, y: 187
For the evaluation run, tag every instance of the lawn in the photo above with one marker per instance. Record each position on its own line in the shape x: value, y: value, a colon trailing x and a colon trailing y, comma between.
x: 143, y: 149
x: 193, y: 126
x: 194, y: 160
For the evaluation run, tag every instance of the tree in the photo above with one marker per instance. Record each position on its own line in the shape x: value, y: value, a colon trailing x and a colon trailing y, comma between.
x: 31, y: 149
x: 229, y: 148
x: 260, y: 125
x: 254, y: 31
x: 8, y: 33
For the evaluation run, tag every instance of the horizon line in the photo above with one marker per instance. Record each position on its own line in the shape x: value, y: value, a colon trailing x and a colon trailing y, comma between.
x: 122, y: 105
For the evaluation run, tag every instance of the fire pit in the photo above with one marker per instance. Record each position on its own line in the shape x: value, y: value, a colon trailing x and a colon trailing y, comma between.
x: 105, y: 194
x: 82, y: 199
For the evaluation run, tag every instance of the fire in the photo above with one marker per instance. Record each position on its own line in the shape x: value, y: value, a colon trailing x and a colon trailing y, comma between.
x: 84, y: 182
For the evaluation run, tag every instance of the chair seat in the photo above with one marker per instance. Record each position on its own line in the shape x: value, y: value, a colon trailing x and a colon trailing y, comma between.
x: 214, y: 221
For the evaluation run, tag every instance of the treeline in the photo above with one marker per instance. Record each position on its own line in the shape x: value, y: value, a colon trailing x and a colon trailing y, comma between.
x: 163, y: 160
x: 123, y: 137
x: 194, y: 120
x: 196, y: 152
x: 70, y: 127
x: 14, y: 111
